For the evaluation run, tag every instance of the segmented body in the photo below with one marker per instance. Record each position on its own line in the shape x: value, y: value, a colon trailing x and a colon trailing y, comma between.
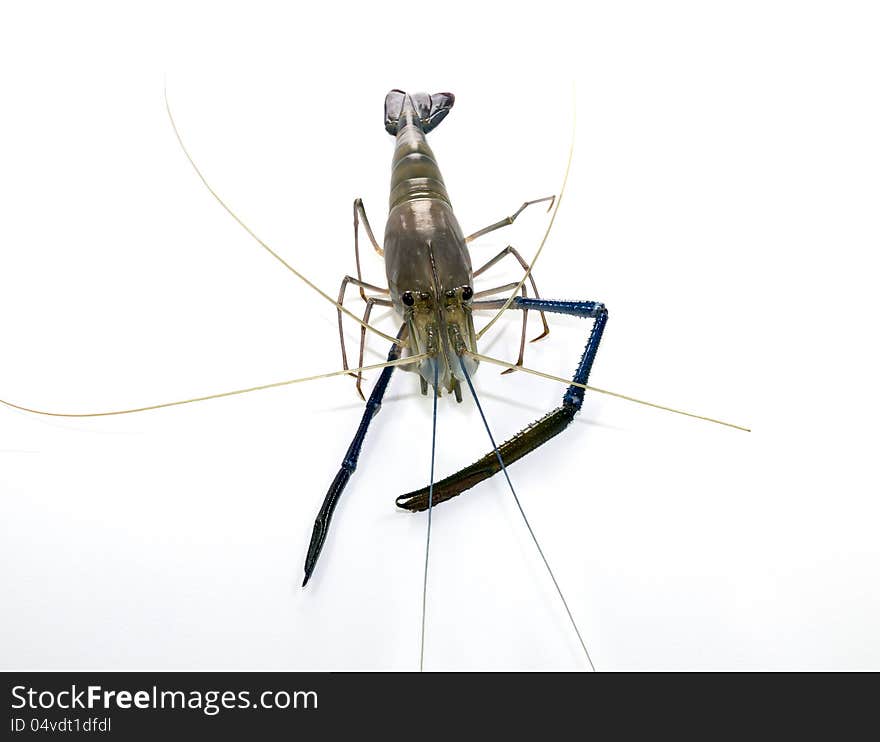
x: 414, y: 170
x: 427, y: 262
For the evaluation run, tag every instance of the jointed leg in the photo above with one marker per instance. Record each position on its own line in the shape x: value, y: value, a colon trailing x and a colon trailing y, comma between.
x: 349, y: 464
x: 493, y: 292
x: 487, y: 304
x: 508, y: 220
x: 358, y: 209
x: 371, y: 301
x: 497, y: 304
x: 510, y: 250
x: 538, y: 432
x: 360, y: 214
x: 342, y: 289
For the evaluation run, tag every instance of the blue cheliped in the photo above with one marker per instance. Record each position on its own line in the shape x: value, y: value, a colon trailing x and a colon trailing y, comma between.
x: 574, y: 396
x: 540, y: 431
x: 536, y: 434
x: 349, y: 464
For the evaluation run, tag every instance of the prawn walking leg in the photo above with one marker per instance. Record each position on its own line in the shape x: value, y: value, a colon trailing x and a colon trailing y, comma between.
x: 342, y: 289
x: 508, y: 220
x: 359, y: 210
x: 540, y: 431
x: 371, y: 302
x: 510, y: 250
x: 360, y: 215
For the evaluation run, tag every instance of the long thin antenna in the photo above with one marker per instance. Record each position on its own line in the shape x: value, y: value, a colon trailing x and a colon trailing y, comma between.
x: 523, y: 514
x: 288, y: 382
x: 259, y: 241
x: 531, y: 265
x: 568, y: 382
x: 430, y: 510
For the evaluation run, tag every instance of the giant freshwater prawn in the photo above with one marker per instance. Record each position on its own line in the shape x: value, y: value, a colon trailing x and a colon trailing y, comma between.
x: 430, y: 287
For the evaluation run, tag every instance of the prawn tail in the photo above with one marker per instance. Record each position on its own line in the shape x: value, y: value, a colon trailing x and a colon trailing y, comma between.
x: 427, y: 111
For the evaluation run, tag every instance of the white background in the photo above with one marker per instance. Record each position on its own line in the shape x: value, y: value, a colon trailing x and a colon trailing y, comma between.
x: 722, y: 203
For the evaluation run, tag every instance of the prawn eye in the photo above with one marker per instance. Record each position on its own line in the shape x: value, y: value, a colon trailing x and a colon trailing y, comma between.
x: 407, y: 298
x: 466, y: 293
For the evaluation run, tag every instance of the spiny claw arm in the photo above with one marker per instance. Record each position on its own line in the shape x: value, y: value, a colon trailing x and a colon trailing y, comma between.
x: 349, y: 464
x: 540, y: 431
x: 526, y: 441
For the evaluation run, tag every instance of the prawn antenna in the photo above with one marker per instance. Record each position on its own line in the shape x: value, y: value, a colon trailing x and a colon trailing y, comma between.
x: 523, y: 513
x: 596, y: 389
x: 260, y: 242
x: 219, y: 395
x: 430, y: 511
x: 531, y: 265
